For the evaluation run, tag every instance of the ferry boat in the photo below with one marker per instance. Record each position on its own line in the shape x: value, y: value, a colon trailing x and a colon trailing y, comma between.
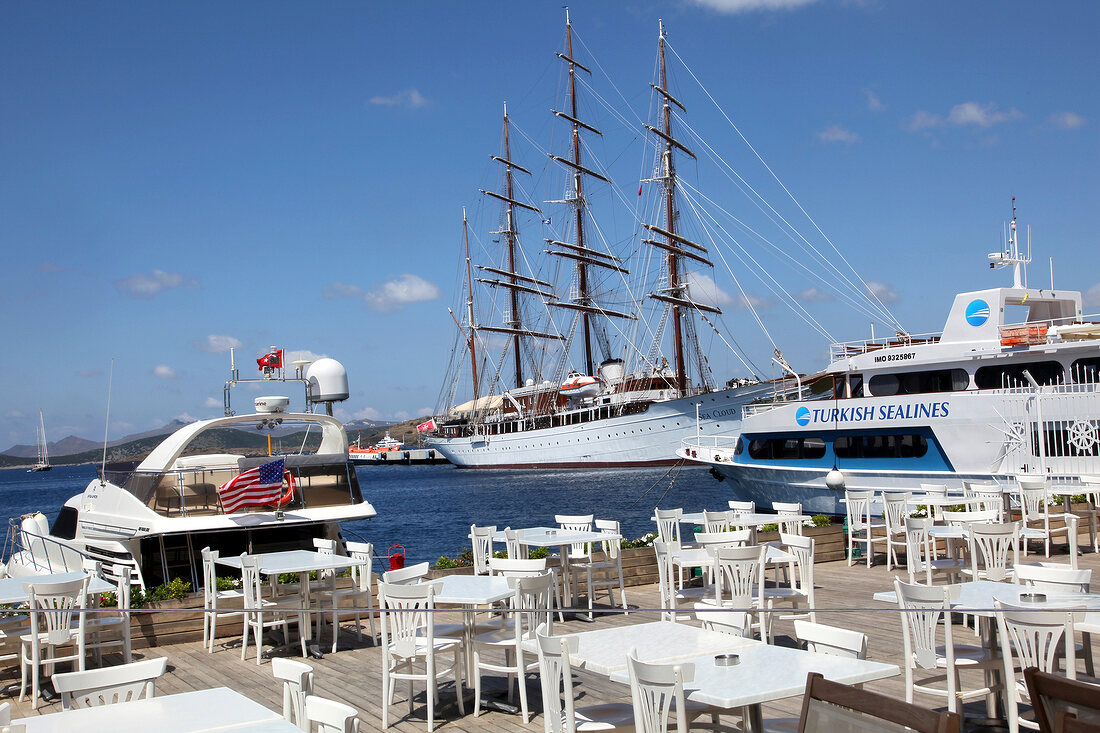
x: 987, y: 399
x: 372, y: 453
x: 155, y: 516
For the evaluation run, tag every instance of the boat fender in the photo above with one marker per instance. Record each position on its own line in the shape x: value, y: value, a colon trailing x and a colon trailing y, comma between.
x: 288, y: 495
x: 717, y: 474
x: 397, y: 557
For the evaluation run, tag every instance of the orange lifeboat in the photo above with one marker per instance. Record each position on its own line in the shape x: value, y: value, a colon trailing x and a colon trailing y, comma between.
x: 578, y: 386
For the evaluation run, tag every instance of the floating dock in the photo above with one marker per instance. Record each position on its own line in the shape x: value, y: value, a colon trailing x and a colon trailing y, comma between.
x: 412, y: 457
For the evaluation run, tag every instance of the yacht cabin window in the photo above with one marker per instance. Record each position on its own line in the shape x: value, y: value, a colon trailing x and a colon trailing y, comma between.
x: 1000, y: 376
x: 937, y: 380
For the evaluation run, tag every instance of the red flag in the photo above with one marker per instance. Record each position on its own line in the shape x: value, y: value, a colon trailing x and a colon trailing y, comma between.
x: 274, y: 360
x: 426, y: 426
x: 258, y: 486
x: 640, y: 189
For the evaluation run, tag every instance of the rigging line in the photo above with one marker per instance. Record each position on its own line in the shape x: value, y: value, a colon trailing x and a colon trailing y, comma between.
x: 677, y: 466
x: 653, y: 485
x: 787, y: 228
x: 736, y: 350
x: 781, y: 185
x: 596, y: 62
x: 861, y: 305
x: 761, y: 272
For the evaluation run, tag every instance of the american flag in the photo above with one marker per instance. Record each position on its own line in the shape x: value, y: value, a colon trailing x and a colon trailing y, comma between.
x: 258, y: 486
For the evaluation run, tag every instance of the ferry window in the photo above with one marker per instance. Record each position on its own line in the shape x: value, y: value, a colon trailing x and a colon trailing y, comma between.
x: 1012, y: 375
x: 813, y: 447
x: 786, y: 448
x: 938, y: 380
x: 1086, y: 371
x: 740, y: 447
x: 884, y: 385
x: 821, y: 385
x: 855, y: 385
x: 880, y: 446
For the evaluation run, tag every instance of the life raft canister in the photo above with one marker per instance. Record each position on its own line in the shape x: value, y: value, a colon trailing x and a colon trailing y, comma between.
x: 397, y: 557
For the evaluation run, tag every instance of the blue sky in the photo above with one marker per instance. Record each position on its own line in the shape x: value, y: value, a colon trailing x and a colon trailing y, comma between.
x: 181, y: 177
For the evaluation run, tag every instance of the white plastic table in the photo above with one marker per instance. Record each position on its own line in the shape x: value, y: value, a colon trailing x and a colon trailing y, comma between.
x: 744, y: 520
x: 562, y: 539
x: 189, y: 712
x: 11, y: 589
x: 470, y: 590
x: 302, y: 562
x: 767, y: 672
x: 977, y: 597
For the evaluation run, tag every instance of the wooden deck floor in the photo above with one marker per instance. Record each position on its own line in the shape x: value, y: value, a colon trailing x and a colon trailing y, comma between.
x: 354, y: 675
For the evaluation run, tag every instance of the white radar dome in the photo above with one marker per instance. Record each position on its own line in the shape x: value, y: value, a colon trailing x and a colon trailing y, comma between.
x: 328, y: 380
x: 272, y: 403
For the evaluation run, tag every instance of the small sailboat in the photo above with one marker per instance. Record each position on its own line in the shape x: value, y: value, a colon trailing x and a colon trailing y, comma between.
x: 43, y: 463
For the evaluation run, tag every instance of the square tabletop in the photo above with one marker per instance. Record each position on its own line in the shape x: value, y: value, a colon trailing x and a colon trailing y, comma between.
x: 604, y: 651
x: 767, y: 672
x: 554, y: 537
x: 978, y: 596
x: 471, y: 590
x: 187, y: 712
x: 11, y: 589
x: 295, y: 561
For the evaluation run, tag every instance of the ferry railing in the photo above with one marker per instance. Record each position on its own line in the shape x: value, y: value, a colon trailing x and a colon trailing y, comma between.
x: 1051, y: 429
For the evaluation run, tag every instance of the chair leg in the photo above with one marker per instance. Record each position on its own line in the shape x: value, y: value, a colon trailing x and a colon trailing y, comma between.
x: 477, y: 683
x: 430, y: 692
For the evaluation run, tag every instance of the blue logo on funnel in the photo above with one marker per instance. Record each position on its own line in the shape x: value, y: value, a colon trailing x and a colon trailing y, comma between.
x: 977, y: 312
x: 802, y: 416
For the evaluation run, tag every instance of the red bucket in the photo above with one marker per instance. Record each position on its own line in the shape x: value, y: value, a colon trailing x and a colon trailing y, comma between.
x: 397, y: 557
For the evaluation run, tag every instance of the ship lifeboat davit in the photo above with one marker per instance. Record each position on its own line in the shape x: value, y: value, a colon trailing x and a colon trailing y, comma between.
x: 578, y: 386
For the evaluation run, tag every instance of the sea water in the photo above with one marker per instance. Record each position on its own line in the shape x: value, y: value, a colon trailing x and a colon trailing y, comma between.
x: 428, y: 510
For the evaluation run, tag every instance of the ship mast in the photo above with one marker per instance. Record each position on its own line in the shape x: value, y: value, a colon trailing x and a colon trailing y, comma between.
x: 675, y: 246
x: 470, y: 306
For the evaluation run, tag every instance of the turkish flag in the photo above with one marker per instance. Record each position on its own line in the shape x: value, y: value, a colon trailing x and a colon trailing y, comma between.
x: 273, y: 360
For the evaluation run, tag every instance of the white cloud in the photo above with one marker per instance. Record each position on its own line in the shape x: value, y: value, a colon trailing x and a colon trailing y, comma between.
x: 424, y: 411
x: 967, y: 113
x: 401, y: 415
x: 837, y: 134
x: 748, y: 6
x: 1067, y: 120
x: 146, y: 286
x: 407, y: 98
x: 873, y: 102
x: 748, y: 300
x: 883, y: 291
x: 219, y: 343
x: 300, y: 355
x: 185, y: 418
x: 390, y: 295
x: 702, y: 289
x: 14, y: 415
x: 367, y: 413
x: 163, y: 371
x: 1092, y: 297
x: 813, y: 295
x: 211, y: 403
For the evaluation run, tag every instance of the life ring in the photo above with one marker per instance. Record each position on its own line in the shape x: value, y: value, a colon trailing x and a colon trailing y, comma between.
x: 288, y: 495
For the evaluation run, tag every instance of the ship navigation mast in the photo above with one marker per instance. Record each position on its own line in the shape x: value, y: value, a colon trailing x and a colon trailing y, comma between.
x: 676, y: 247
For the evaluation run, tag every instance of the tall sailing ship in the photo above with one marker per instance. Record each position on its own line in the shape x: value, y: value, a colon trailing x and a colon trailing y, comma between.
x: 589, y: 382
x: 43, y: 462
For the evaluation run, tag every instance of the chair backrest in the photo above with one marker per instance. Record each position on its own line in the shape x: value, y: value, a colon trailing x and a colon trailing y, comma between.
x: 918, y: 548
x: 297, y: 678
x: 831, y: 639
x: 515, y: 568
x: 939, y: 489
x: 55, y: 608
x: 576, y: 523
x: 331, y: 716
x: 802, y: 549
x: 1053, y: 693
x: 716, y: 521
x: 1033, y: 502
x: 983, y: 499
x: 482, y: 539
x: 1034, y: 637
x: 406, y: 576
x: 994, y: 549
x: 123, y: 587
x: 713, y: 540
x: 209, y: 577
x: 743, y: 507
x: 895, y: 509
x: 556, y: 673
x: 109, y: 685
x: 406, y: 612
x: 668, y: 526
x: 724, y: 620
x: 612, y: 548
x: 1066, y: 722
x: 664, y: 579
x: 516, y: 550
x: 833, y: 706
x: 1030, y: 482
x: 857, y: 505
x: 250, y: 580
x: 922, y: 609
x: 962, y: 519
x: 362, y: 575
x: 530, y: 604
x: 739, y: 576
x: 324, y: 545
x: 655, y: 691
x: 1053, y: 577
x: 788, y: 509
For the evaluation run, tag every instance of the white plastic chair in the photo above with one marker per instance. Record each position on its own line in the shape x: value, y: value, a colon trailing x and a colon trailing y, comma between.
x: 895, y: 510
x: 576, y: 523
x: 212, y: 598
x: 671, y: 596
x: 279, y: 612
x: 406, y: 576
x: 1032, y: 638
x: 514, y: 548
x: 556, y: 674
x: 110, y: 685
x: 107, y: 628
x: 656, y: 690
x: 716, y: 521
x: 785, y: 513
x: 994, y: 550
x: 481, y: 539
x: 1090, y: 487
x: 331, y: 716
x: 922, y: 614
x: 739, y: 581
x: 920, y: 554
x: 1035, y: 511
x: 800, y: 589
x: 724, y: 620
x: 934, y: 491
x: 1064, y: 579
x: 297, y: 679
x: 408, y: 638
x: 360, y: 594
x: 529, y: 609
x: 668, y: 532
x: 858, y: 507
x: 526, y: 568
x: 831, y: 640
x: 55, y: 621
x: 737, y: 508
x: 608, y: 572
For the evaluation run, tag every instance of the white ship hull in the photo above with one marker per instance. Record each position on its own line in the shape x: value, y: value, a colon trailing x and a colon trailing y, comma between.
x: 648, y: 438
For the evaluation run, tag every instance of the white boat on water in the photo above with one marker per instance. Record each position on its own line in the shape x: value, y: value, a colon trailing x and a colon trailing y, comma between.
x: 1009, y: 387
x: 43, y: 462
x: 157, y: 515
